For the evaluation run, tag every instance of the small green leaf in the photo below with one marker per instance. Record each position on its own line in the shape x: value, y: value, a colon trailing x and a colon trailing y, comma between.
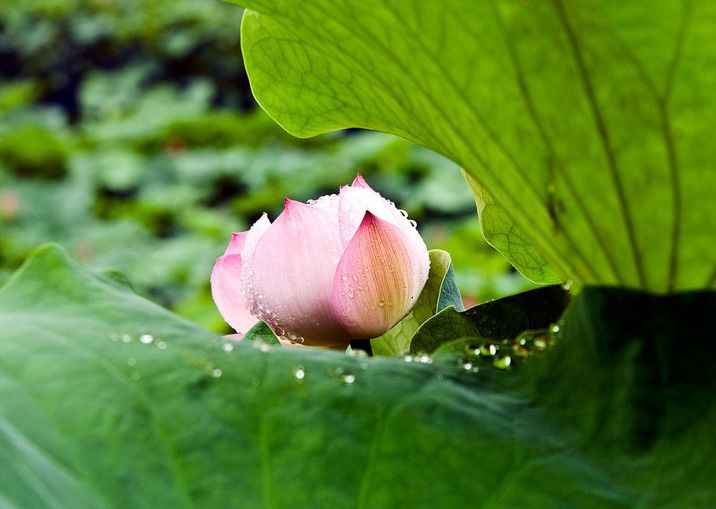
x: 499, y: 319
x: 262, y: 333
x: 440, y: 291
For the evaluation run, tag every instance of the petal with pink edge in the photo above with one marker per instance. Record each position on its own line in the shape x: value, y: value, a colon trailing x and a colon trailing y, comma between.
x: 226, y: 286
x: 374, y: 285
x: 359, y: 198
x: 236, y: 244
x: 291, y: 276
x: 254, y: 235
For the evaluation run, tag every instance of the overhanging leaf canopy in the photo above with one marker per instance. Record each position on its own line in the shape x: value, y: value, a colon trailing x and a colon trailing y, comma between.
x: 590, y: 123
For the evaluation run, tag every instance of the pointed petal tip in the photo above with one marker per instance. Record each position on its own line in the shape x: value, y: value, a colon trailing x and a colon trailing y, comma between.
x: 370, y: 219
x: 359, y: 181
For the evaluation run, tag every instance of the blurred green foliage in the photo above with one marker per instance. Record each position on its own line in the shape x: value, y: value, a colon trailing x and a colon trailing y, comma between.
x: 128, y: 135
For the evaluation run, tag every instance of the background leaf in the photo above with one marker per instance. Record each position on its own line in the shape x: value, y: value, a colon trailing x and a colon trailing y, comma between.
x: 589, y: 124
x: 440, y: 291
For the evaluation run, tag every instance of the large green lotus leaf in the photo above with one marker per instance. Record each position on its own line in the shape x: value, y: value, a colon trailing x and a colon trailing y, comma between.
x: 502, y: 234
x: 107, y: 400
x: 590, y: 123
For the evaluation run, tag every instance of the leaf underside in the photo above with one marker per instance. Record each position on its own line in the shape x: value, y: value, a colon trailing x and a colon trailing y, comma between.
x: 589, y: 124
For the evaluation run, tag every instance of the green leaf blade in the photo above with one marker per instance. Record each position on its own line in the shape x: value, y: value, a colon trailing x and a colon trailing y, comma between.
x: 599, y: 162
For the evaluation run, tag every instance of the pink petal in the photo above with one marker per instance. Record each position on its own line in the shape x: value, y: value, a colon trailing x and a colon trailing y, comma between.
x: 226, y: 277
x: 328, y: 202
x: 252, y: 239
x: 359, y: 181
x: 375, y: 284
x: 291, y: 275
x: 356, y: 200
x: 228, y: 295
x: 237, y: 243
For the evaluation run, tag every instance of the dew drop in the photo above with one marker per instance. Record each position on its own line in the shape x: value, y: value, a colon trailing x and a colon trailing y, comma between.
x: 216, y: 373
x: 131, y: 361
x: 555, y: 328
x: 540, y: 344
x: 424, y: 359
x: 413, y: 223
x: 228, y: 347
x: 408, y: 358
x: 343, y: 375
x: 467, y: 366
x: 126, y: 338
x: 358, y: 354
x: 502, y: 362
x: 162, y: 345
x: 488, y: 349
x: 299, y: 373
x: 135, y: 375
x: 403, y: 213
x: 146, y: 339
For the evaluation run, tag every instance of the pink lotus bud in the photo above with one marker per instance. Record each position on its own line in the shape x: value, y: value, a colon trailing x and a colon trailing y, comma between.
x: 343, y: 267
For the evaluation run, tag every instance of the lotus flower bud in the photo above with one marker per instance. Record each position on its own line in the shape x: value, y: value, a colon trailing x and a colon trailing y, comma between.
x: 342, y: 267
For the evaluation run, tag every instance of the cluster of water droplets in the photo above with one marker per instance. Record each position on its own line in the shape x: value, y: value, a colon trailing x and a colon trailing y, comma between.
x: 142, y: 339
x: 505, y: 354
x: 420, y: 358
